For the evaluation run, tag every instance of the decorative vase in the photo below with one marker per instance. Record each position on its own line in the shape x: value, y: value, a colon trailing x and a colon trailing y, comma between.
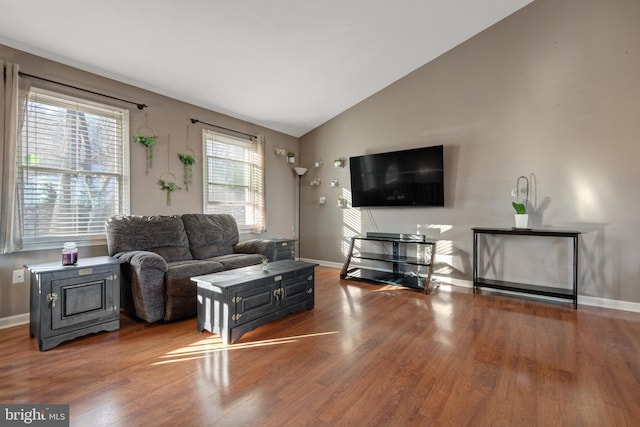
x: 522, y: 220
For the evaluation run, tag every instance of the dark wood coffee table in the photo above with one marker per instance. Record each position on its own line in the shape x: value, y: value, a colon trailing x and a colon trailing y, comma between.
x: 233, y: 302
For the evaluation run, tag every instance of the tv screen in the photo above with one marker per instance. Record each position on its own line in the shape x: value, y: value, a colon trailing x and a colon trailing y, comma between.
x: 400, y: 178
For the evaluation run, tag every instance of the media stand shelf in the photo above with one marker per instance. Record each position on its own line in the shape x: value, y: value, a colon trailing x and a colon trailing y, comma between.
x: 400, y: 270
x: 549, y: 291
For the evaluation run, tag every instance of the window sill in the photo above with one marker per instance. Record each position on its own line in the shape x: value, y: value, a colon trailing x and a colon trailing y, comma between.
x: 48, y: 245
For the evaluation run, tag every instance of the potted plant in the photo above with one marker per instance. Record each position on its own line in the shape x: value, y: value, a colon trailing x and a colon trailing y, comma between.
x: 187, y: 160
x: 169, y: 187
x: 148, y: 142
x: 522, y: 218
x: 291, y: 157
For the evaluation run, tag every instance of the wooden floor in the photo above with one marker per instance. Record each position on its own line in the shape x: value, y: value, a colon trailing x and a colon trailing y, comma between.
x: 365, y: 355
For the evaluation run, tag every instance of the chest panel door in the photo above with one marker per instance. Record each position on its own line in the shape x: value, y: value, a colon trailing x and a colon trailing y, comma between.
x: 255, y: 301
x: 83, y: 299
x: 296, y: 288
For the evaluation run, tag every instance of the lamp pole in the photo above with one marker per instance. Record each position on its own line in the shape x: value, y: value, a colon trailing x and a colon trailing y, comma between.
x: 300, y: 172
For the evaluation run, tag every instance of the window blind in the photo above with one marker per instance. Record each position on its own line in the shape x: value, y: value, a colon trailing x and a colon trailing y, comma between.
x: 75, y: 167
x: 234, y: 180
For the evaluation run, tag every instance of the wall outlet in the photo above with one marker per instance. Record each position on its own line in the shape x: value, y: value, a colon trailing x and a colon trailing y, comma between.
x: 18, y: 276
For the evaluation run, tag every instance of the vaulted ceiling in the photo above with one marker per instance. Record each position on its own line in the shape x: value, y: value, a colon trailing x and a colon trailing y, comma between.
x: 289, y: 65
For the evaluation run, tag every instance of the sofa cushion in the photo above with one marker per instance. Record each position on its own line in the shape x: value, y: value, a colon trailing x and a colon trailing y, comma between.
x: 238, y: 260
x: 178, y: 276
x: 163, y: 234
x: 210, y: 235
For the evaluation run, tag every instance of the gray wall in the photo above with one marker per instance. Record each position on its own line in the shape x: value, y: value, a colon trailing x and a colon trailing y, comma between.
x: 168, y: 117
x: 553, y: 91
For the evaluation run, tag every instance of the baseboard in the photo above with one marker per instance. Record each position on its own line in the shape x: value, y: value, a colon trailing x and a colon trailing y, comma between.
x: 11, y: 321
x: 582, y: 299
x: 22, y: 319
x: 609, y: 303
x: 323, y: 263
x: 453, y: 282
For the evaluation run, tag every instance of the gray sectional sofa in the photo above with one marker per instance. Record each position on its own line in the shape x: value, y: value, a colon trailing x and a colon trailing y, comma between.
x: 163, y: 252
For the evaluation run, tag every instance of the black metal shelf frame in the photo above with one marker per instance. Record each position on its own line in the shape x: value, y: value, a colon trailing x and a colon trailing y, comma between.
x: 395, y: 276
x: 549, y: 291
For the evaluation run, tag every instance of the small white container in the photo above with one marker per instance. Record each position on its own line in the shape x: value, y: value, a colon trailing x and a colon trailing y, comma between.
x: 522, y: 220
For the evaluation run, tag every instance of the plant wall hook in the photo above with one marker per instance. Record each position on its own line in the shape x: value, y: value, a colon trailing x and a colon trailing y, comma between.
x: 188, y: 159
x: 167, y: 180
x: 147, y: 136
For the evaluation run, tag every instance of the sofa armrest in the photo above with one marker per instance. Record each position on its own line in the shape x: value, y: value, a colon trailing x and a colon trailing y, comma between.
x: 143, y: 285
x: 144, y: 259
x: 264, y: 247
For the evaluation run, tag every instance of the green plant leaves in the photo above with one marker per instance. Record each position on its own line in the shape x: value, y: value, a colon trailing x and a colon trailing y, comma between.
x: 186, y: 159
x: 148, y: 141
x: 519, y: 207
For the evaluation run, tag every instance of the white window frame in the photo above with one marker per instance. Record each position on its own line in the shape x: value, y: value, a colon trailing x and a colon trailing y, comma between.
x: 29, y: 169
x: 254, y: 218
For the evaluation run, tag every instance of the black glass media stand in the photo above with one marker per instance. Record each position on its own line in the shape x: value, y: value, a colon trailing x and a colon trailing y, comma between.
x: 409, y: 264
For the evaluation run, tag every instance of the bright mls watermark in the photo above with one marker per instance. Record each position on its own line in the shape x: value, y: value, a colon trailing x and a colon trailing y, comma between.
x: 34, y: 415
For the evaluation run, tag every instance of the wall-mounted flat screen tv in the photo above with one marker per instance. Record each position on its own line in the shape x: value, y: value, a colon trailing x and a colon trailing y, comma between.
x: 412, y: 177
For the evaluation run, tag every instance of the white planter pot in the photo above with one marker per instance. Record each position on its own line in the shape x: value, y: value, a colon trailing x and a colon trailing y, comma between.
x: 522, y: 220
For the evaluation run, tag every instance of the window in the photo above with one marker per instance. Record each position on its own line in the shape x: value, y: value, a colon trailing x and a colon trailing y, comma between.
x: 74, y: 172
x: 233, y: 179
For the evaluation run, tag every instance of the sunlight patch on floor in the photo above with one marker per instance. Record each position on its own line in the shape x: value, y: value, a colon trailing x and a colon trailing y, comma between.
x: 202, y: 348
x: 384, y: 288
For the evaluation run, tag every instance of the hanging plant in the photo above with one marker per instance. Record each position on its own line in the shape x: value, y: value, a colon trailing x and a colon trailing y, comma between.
x: 187, y: 161
x: 169, y: 187
x: 148, y: 142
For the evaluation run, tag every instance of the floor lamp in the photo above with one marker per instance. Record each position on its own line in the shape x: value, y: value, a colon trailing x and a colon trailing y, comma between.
x: 300, y: 172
